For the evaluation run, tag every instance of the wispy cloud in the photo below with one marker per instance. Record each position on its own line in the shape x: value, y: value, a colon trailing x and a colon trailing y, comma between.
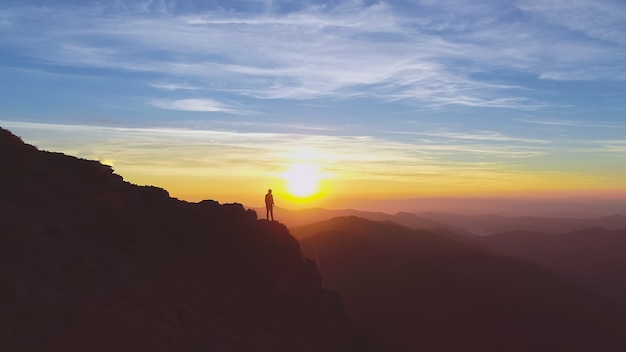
x: 594, y: 28
x: 172, y: 86
x: 193, y: 104
x: 364, y: 153
x: 352, y: 51
x: 616, y: 147
x: 234, y: 154
x: 487, y: 136
x: 175, y: 158
x: 575, y: 123
x: 595, y: 19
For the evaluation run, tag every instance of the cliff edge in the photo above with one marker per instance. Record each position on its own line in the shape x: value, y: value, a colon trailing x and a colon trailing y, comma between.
x: 90, y: 262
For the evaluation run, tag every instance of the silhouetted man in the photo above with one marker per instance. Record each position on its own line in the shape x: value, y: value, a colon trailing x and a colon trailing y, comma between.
x: 269, y: 205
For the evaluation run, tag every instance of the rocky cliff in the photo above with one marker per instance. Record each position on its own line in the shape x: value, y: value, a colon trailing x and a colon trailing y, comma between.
x: 89, y: 262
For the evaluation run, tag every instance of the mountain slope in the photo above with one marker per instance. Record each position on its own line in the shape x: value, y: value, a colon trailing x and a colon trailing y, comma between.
x: 433, y: 293
x: 89, y: 262
x: 593, y: 257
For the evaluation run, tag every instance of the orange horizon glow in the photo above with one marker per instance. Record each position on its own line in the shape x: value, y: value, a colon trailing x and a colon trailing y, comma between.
x: 320, y: 172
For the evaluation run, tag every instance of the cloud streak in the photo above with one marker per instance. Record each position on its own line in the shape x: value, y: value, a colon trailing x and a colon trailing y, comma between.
x: 175, y: 158
x: 194, y: 105
x: 211, y: 145
x: 571, y: 123
x: 353, y: 51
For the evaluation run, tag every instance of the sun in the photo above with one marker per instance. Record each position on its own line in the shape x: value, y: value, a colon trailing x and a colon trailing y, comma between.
x: 302, y: 180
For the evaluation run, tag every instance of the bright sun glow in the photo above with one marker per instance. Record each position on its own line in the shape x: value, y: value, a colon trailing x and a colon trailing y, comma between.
x: 302, y: 180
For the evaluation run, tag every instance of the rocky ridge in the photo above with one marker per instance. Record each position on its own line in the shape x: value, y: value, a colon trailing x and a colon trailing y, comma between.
x: 91, y: 262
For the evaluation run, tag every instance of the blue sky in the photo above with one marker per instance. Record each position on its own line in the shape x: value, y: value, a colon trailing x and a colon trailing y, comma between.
x: 492, y: 89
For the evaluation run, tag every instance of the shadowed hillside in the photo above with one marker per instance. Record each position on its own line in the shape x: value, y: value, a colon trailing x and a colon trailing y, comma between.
x: 430, y: 292
x: 593, y: 257
x: 89, y: 262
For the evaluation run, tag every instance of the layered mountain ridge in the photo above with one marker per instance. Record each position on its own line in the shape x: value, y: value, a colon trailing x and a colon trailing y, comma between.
x: 427, y: 290
x: 467, y: 225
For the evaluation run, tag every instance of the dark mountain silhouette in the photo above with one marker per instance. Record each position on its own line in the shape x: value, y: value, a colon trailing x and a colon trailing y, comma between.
x: 594, y: 257
x: 427, y: 292
x: 483, y: 225
x: 89, y: 262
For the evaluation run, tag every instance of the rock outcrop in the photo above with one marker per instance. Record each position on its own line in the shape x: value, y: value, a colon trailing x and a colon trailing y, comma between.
x: 90, y: 262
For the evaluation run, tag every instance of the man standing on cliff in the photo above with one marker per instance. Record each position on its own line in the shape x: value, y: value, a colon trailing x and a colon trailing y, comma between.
x: 269, y: 205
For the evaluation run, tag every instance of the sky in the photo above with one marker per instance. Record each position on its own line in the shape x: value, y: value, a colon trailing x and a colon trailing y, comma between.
x: 326, y: 100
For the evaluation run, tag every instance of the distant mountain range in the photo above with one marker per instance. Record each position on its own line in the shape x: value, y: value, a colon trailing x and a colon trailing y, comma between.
x: 492, y: 224
x: 567, y: 207
x: 468, y: 225
x: 428, y: 292
x: 296, y: 218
